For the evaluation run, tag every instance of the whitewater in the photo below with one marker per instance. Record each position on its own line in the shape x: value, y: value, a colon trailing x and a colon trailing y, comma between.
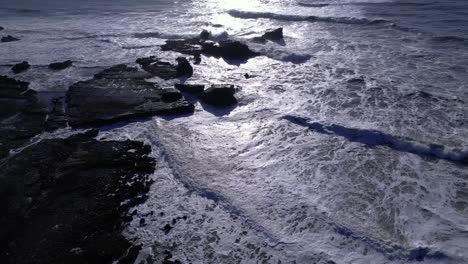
x: 347, y: 145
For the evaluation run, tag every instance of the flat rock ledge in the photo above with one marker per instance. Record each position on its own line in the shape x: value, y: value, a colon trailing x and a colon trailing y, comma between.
x: 66, y: 200
x: 118, y: 94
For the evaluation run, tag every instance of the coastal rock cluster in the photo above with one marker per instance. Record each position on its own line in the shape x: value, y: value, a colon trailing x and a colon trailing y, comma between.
x: 65, y: 200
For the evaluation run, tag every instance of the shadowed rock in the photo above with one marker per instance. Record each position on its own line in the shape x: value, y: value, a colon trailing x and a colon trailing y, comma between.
x: 118, y: 94
x: 205, y: 35
x: 274, y: 35
x: 21, y: 67
x: 2, y: 28
x: 219, y: 95
x: 60, y: 65
x: 190, y: 88
x: 66, y: 200
x: 9, y: 39
x: 184, y: 68
x: 22, y: 116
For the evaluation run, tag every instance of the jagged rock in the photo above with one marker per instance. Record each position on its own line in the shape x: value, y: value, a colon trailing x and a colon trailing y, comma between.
x: 9, y: 38
x: 274, y: 35
x: 156, y: 67
x: 227, y: 49
x: 219, y: 95
x: 183, y: 67
x: 261, y: 40
x: 110, y: 97
x: 21, y: 67
x: 60, y: 65
x: 66, y: 200
x: 190, y: 88
x: 22, y: 116
x: 205, y: 35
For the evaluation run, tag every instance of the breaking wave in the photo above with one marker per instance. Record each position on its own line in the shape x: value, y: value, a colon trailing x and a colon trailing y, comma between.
x: 338, y: 20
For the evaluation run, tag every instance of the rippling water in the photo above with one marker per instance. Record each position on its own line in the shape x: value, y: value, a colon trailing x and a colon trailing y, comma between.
x: 346, y: 147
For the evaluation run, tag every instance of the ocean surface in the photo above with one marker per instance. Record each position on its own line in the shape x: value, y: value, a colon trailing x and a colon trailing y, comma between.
x: 344, y: 148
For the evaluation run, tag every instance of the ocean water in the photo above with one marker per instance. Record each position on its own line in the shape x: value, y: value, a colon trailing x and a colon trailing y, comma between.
x: 344, y: 148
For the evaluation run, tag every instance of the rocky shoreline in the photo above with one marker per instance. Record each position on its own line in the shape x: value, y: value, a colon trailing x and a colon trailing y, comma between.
x: 67, y: 200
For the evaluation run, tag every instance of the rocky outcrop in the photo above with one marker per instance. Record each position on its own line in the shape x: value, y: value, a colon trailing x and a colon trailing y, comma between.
x: 118, y: 94
x: 190, y: 88
x: 66, y: 200
x: 21, y: 67
x: 274, y: 35
x: 9, y: 39
x: 205, y: 35
x: 60, y: 65
x: 219, y: 95
x: 22, y: 116
x: 184, y: 68
x: 227, y: 49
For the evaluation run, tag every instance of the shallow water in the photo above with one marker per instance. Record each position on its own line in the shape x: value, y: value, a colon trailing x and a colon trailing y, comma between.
x: 345, y: 147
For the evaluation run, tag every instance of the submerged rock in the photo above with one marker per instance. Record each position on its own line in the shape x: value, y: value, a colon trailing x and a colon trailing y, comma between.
x: 116, y: 94
x: 66, y: 200
x: 21, y: 67
x: 60, y: 65
x: 219, y: 95
x: 22, y: 116
x: 190, y: 88
x: 2, y: 28
x: 9, y: 38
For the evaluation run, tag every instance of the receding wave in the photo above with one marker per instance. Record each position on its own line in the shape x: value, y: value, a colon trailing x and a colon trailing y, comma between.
x: 339, y: 20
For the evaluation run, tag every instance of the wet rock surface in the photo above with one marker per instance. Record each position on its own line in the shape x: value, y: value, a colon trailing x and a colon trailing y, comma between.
x: 219, y: 95
x: 165, y: 70
x: 274, y: 35
x: 227, y: 49
x: 117, y: 94
x: 65, y: 200
x: 22, y: 116
x: 21, y: 67
x: 9, y: 38
x: 60, y: 65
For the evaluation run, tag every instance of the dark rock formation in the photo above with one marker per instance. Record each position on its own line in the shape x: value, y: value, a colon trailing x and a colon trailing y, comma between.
x: 171, y: 95
x: 22, y: 116
x: 219, y: 95
x: 9, y: 39
x: 60, y: 65
x: 66, y: 200
x: 227, y: 49
x: 118, y: 94
x: 196, y: 59
x: 162, y: 69
x: 205, y: 35
x: 2, y: 28
x: 274, y: 35
x: 57, y: 117
x: 190, y: 88
x: 184, y: 68
x: 21, y: 67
